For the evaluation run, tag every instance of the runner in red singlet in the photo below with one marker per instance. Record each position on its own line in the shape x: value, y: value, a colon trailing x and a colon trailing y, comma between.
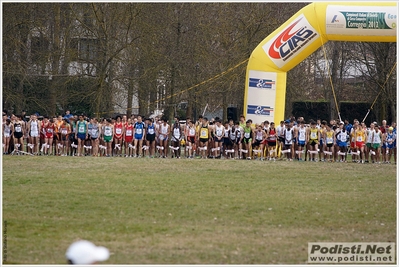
x: 128, y: 138
x: 118, y: 133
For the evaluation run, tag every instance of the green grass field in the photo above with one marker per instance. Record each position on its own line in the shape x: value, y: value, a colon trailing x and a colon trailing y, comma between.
x: 180, y: 211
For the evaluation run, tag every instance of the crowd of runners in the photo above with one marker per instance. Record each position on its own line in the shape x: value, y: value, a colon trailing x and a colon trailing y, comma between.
x: 135, y: 136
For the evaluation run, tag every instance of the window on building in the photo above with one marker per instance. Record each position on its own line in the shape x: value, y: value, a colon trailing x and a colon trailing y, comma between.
x: 88, y: 49
x: 39, y: 48
x: 83, y: 49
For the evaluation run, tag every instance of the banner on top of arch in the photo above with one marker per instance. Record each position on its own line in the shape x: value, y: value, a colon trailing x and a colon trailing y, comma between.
x: 357, y: 20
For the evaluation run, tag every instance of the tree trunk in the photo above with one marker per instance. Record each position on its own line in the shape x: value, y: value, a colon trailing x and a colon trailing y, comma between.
x: 393, y: 110
x: 129, y: 110
x: 334, y: 67
x: 171, y: 104
x: 189, y: 111
x: 55, y: 46
x: 142, y: 91
x: 224, y: 108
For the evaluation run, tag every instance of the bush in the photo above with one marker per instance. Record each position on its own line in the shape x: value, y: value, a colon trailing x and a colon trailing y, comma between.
x: 311, y: 110
x: 356, y: 110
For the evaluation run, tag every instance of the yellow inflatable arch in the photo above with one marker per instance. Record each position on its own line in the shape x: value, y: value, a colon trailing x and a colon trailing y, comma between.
x: 300, y: 36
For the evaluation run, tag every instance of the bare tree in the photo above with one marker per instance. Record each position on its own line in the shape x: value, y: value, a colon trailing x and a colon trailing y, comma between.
x: 376, y: 62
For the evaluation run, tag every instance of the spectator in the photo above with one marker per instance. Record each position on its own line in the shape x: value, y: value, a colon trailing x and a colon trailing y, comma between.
x: 68, y: 115
x: 348, y: 126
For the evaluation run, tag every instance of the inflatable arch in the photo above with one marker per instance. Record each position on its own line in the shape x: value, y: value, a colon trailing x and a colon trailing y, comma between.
x: 300, y: 36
